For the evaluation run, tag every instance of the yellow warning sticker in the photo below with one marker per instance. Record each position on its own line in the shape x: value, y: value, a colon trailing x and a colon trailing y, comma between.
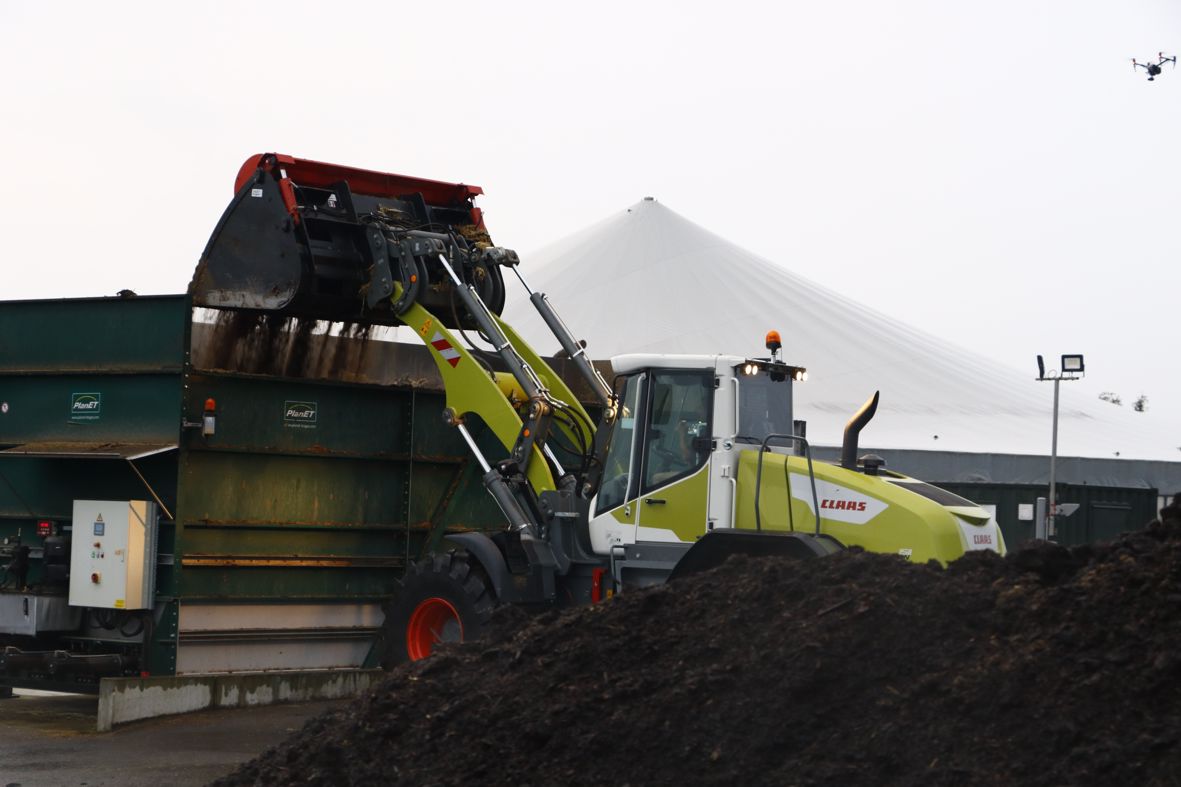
x: 426, y: 327
x: 119, y: 603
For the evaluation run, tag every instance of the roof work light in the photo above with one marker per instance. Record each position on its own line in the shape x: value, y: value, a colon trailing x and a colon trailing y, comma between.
x: 1072, y: 364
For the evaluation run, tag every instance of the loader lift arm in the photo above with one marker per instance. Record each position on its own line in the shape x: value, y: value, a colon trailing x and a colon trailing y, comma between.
x: 531, y: 467
x: 470, y: 389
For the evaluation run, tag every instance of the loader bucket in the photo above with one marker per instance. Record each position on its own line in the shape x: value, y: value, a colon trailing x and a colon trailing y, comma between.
x: 327, y: 242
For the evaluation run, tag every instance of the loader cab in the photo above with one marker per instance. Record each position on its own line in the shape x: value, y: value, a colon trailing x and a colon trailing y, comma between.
x: 655, y: 483
x: 671, y: 458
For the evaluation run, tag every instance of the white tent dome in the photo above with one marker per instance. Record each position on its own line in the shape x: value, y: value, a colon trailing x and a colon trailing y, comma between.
x: 649, y: 280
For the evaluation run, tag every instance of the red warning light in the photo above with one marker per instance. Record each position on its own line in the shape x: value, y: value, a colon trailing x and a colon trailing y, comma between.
x: 44, y: 528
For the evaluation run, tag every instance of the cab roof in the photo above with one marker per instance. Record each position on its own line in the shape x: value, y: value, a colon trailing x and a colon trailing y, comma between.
x: 624, y: 364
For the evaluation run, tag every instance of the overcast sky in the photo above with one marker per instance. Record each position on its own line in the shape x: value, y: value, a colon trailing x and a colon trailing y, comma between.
x: 994, y: 173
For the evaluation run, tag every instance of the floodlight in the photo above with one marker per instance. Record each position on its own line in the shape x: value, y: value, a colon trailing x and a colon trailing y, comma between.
x: 1072, y: 365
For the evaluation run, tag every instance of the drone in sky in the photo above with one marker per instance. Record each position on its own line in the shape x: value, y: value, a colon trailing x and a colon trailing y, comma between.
x: 1154, y: 68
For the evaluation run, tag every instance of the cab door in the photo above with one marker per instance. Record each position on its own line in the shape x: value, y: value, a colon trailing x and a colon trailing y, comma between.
x: 613, y: 517
x: 673, y: 493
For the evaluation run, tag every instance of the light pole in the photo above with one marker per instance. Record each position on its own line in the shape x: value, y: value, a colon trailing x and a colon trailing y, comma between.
x: 1071, y: 368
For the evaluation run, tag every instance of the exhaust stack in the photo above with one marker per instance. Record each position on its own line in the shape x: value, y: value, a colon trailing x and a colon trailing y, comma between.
x: 853, y: 430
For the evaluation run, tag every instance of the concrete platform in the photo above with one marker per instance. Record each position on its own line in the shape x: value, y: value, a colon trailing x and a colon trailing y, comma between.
x: 49, y: 740
x: 122, y: 700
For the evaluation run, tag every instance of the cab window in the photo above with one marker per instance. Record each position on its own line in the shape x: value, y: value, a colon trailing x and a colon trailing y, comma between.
x: 764, y: 408
x: 678, y: 439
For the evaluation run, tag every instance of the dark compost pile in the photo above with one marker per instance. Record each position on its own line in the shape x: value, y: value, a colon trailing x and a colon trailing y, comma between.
x: 1048, y: 667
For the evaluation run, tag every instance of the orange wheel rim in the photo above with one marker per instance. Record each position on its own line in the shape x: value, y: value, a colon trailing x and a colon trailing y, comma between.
x: 434, y: 620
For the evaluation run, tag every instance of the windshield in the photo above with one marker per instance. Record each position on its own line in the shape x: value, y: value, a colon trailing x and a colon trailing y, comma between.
x: 619, y: 456
x: 764, y: 407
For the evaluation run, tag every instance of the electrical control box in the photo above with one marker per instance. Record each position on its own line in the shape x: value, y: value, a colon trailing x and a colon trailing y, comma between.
x: 113, y: 554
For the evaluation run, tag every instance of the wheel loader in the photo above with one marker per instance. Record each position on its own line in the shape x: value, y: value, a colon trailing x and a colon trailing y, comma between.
x: 678, y: 462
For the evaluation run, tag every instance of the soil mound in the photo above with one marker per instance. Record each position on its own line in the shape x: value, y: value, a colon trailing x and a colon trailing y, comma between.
x: 1047, y: 667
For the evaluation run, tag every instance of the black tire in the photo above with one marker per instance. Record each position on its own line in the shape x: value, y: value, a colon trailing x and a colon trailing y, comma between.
x: 444, y: 598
